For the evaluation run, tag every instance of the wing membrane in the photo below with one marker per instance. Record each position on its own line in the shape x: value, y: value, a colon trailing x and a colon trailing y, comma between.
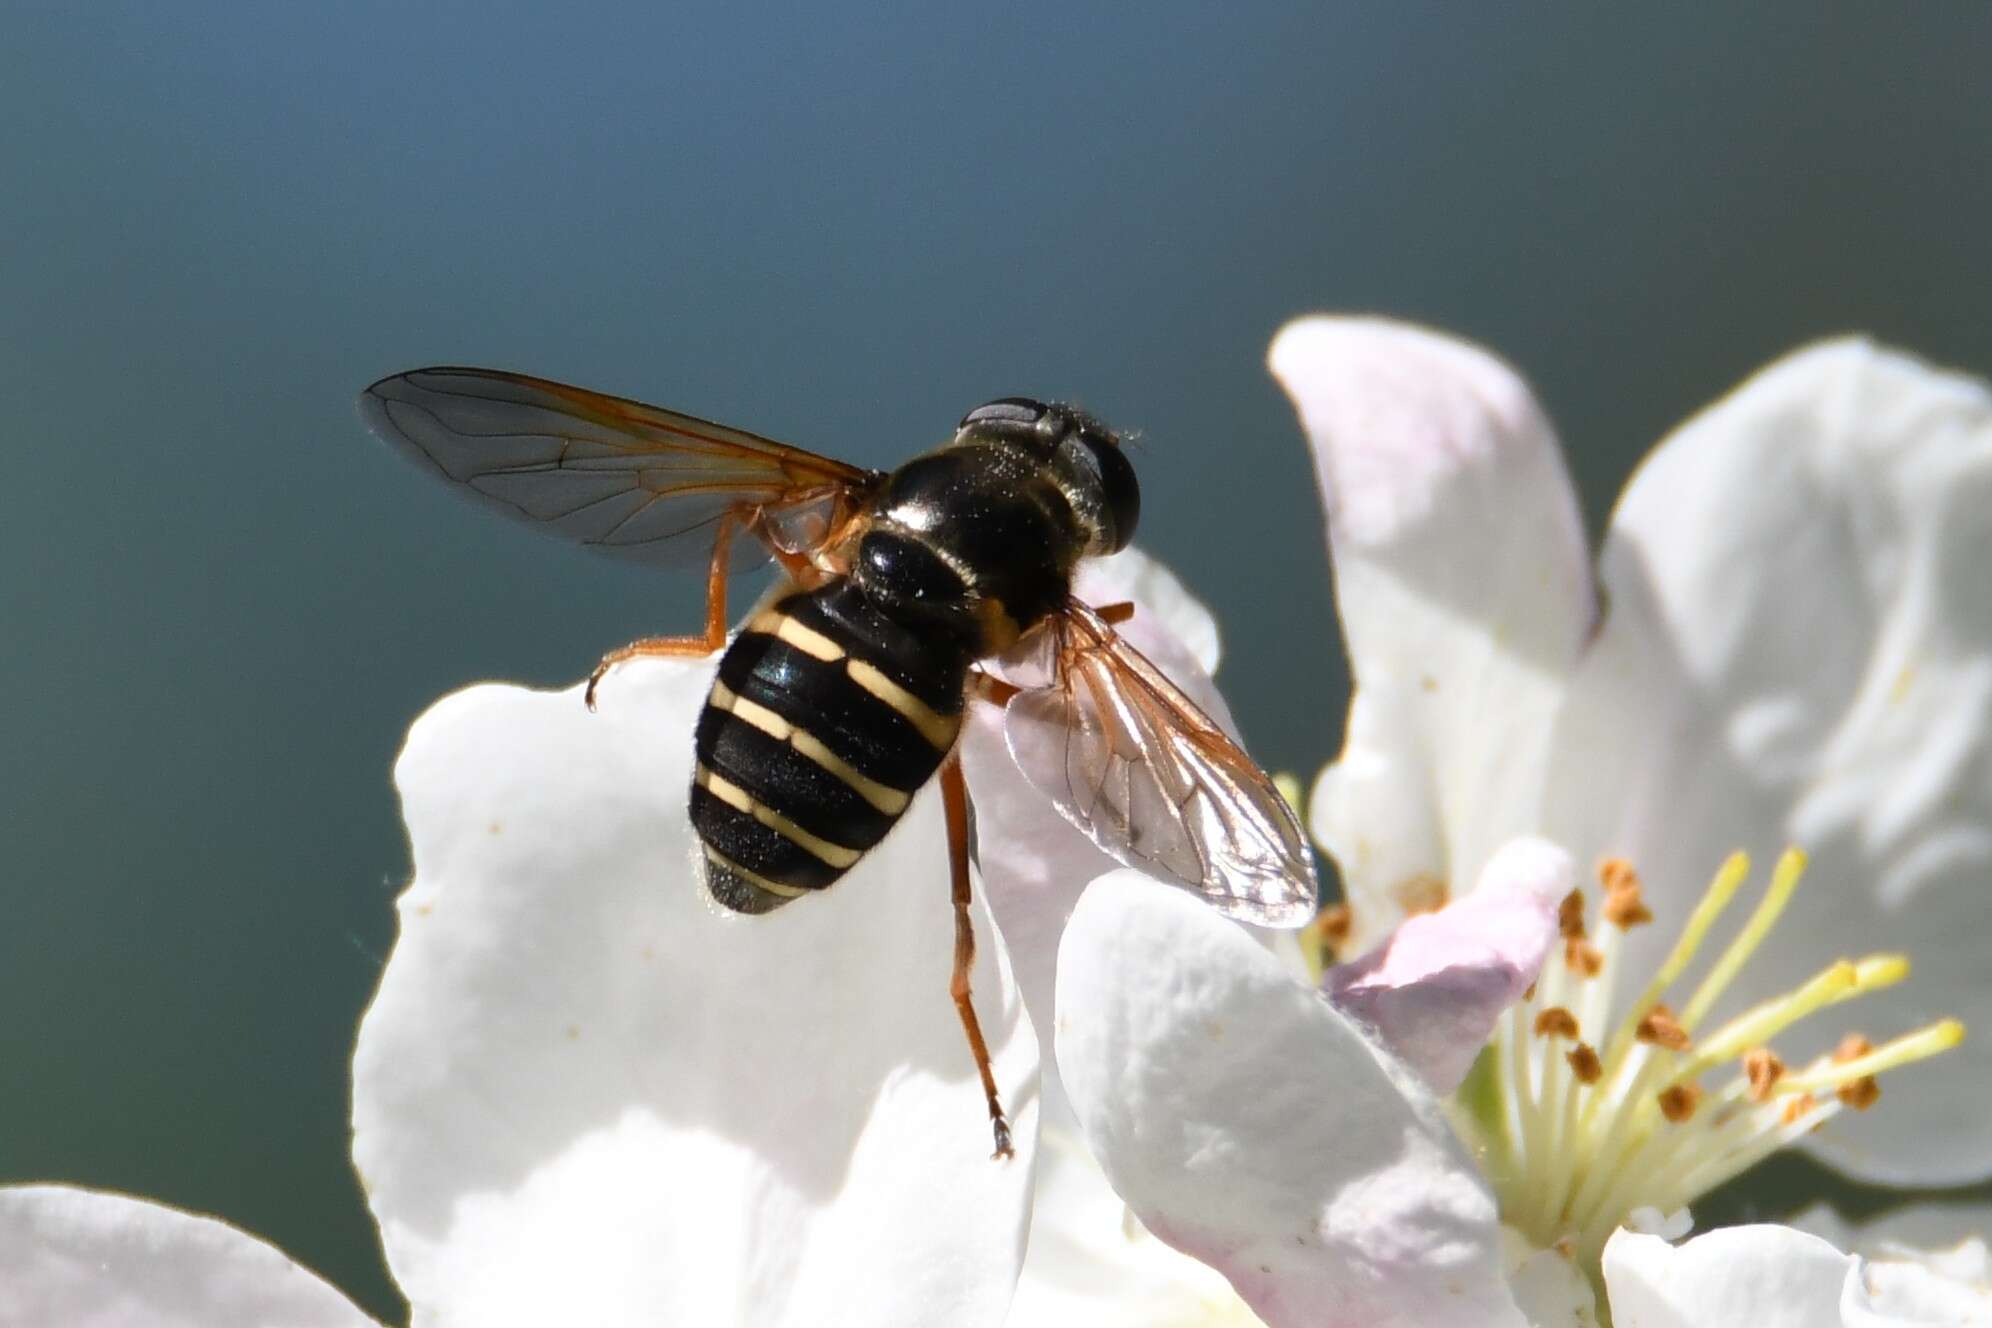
x: 1153, y: 781
x: 616, y: 475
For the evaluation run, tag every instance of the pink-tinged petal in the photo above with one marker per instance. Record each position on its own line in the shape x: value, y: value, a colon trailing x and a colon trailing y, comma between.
x: 1034, y: 862
x: 1464, y: 588
x: 1168, y: 620
x: 86, y: 1259
x: 1799, y: 651
x: 586, y: 1094
x: 1250, y: 1125
x: 1432, y: 992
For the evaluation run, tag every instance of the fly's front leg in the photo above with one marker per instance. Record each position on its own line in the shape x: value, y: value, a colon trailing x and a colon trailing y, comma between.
x: 681, y: 647
x: 954, y: 799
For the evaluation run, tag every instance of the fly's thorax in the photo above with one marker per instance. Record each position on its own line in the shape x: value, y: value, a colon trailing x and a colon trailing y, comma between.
x: 982, y: 536
x: 974, y: 539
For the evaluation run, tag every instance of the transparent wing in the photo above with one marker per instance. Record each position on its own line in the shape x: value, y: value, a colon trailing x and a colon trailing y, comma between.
x: 616, y: 475
x: 1153, y: 781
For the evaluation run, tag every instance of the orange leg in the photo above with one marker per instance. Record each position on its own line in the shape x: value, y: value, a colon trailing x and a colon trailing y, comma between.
x: 681, y: 647
x: 954, y: 798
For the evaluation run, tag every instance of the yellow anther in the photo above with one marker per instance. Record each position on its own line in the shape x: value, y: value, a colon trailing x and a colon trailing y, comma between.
x: 1878, y: 971
x: 1728, y: 880
x: 1905, y: 1050
x: 1763, y: 1022
x: 1837, y: 982
x: 1784, y: 881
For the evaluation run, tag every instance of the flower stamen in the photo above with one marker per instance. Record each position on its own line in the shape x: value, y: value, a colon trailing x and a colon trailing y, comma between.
x: 1585, y: 1138
x: 1922, y: 1044
x: 1728, y: 880
x: 1763, y: 1069
x: 1678, y: 1103
x: 1660, y: 1028
x: 1624, y: 906
x: 1837, y: 982
x: 1784, y: 881
x: 1556, y: 1022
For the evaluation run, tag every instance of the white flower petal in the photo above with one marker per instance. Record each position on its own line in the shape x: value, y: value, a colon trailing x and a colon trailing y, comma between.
x: 1091, y: 1265
x: 1926, y: 1263
x: 1549, y: 1288
x: 584, y: 1094
x: 87, y: 1259
x: 1799, y: 650
x: 1909, y: 1291
x: 1737, y: 1277
x: 1432, y: 992
x: 1034, y: 862
x: 1464, y: 588
x: 1649, y: 1221
x: 1248, y: 1124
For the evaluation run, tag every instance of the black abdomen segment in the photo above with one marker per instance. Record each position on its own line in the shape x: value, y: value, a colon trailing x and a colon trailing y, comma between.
x: 826, y: 718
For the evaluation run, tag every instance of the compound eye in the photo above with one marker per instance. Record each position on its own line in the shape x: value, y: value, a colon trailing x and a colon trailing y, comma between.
x: 1006, y: 410
x: 1100, y: 483
x: 1121, y: 491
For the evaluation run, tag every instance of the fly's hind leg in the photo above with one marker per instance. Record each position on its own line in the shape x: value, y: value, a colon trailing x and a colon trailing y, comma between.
x: 954, y: 799
x: 681, y: 647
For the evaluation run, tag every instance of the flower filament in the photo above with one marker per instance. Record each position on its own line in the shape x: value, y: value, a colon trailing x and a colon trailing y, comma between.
x: 1581, y: 1117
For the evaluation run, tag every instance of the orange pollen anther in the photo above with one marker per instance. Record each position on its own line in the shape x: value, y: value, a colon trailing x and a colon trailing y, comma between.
x: 1582, y: 958
x: 1617, y: 874
x: 1570, y: 916
x: 1861, y: 1093
x: 1624, y: 907
x: 1662, y: 1029
x: 1763, y: 1069
x: 1678, y: 1103
x: 1584, y: 1063
x: 1556, y: 1022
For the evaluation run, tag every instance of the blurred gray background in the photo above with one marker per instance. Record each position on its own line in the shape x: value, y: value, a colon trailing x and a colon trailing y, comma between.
x: 223, y: 603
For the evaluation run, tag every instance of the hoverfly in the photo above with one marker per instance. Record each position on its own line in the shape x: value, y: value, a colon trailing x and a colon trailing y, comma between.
x: 845, y: 690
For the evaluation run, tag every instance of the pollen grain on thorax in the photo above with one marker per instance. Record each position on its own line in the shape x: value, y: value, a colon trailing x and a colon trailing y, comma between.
x: 1586, y: 1108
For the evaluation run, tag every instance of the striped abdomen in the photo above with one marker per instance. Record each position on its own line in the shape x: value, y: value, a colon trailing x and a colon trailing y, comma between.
x: 826, y: 718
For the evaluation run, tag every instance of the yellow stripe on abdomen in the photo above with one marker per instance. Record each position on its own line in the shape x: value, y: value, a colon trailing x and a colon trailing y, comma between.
x: 935, y: 727
x: 773, y: 622
x: 887, y: 799
x: 730, y: 793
